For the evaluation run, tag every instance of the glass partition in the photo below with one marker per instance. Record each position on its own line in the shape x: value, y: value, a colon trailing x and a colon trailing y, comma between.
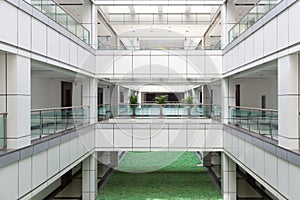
x: 58, y: 14
x: 3, y: 118
x: 260, y: 9
x: 261, y: 121
x: 54, y: 120
x: 156, y: 110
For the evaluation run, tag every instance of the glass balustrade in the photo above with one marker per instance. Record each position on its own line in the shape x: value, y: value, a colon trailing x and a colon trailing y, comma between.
x: 54, y: 120
x: 156, y: 110
x: 3, y: 118
x: 258, y: 11
x: 261, y: 121
x: 58, y: 14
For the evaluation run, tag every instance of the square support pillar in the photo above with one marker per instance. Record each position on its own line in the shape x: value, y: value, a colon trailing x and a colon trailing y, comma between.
x: 228, y: 97
x: 228, y: 20
x: 15, y: 98
x: 288, y: 101
x: 114, y: 159
x: 90, y: 177
x: 115, y: 99
x: 90, y: 90
x: 228, y: 181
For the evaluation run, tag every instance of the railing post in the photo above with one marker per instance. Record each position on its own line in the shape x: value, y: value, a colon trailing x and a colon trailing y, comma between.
x: 41, y: 124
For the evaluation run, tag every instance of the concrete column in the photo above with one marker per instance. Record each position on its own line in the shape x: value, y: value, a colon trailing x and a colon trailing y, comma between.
x: 89, y: 21
x: 139, y: 95
x: 228, y: 97
x: 288, y: 101
x: 90, y: 93
x: 228, y: 20
x: 15, y: 91
x: 228, y: 181
x: 90, y: 177
x: 114, y: 159
x: 206, y: 99
x: 115, y: 99
x: 206, y: 159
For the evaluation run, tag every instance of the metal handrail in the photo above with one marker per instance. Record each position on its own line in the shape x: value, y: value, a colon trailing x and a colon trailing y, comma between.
x: 58, y: 108
x: 257, y: 3
x: 157, y: 47
x: 252, y: 108
x: 57, y: 5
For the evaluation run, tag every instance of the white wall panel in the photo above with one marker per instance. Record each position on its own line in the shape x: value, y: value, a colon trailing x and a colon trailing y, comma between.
x: 39, y: 169
x: 24, y: 37
x: 282, y: 30
x: 159, y: 138
x: 38, y: 37
x: 123, y: 138
x: 249, y: 50
x: 104, y: 138
x: 45, y: 93
x: 294, y: 177
x: 141, y: 66
x: 258, y: 43
x: 213, y: 65
x: 249, y: 154
x: 159, y: 64
x: 104, y: 64
x: 73, y: 150
x: 196, y: 65
x: 214, y: 139
x: 85, y: 59
x: 73, y: 54
x: 177, y: 138
x: 52, y: 43
x: 283, y: 176
x: 141, y: 138
x: 177, y: 65
x: 259, y: 161
x: 196, y: 138
x: 8, y: 23
x: 241, y: 53
x: 53, y: 161
x: 271, y: 169
x: 24, y: 176
x: 64, y: 49
x: 9, y: 179
x: 294, y: 28
x: 64, y: 155
x: 270, y: 37
x: 123, y: 65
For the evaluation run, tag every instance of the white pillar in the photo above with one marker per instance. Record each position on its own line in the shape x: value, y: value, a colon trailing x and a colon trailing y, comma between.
x: 115, y: 99
x: 228, y: 20
x: 228, y: 180
x: 90, y: 177
x: 139, y: 94
x: 90, y: 86
x: 288, y: 101
x: 89, y: 21
x: 228, y: 97
x: 15, y: 91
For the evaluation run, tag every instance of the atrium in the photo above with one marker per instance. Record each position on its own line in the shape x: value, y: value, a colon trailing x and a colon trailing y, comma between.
x: 149, y: 99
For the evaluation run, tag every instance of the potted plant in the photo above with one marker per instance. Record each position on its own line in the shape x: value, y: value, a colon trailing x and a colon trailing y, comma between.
x: 188, y: 101
x: 161, y: 100
x: 133, y: 104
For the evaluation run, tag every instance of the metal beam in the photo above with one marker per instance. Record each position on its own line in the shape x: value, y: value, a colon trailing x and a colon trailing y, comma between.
x: 158, y: 2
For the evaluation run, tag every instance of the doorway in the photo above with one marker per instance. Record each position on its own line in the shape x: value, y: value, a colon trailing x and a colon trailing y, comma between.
x: 66, y: 94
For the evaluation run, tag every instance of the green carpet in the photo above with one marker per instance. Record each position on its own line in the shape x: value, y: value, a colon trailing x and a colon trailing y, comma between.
x: 179, y: 179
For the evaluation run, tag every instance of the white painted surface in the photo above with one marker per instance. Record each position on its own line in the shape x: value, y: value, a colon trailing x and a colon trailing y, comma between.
x: 45, y: 93
x: 251, y: 91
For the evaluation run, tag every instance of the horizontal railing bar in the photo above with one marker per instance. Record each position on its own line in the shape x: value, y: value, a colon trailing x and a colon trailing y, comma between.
x: 257, y: 109
x: 58, y: 108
